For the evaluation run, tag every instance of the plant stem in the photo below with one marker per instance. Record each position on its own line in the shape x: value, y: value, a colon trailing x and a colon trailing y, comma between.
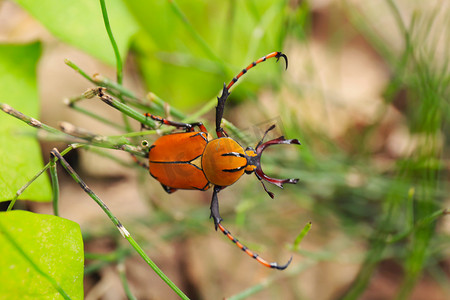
x: 119, y: 72
x: 117, y: 223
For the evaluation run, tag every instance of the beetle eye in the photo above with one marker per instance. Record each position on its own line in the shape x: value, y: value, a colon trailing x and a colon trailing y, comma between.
x: 259, y: 172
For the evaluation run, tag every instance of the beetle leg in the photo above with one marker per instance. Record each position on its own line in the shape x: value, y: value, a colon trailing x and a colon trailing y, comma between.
x: 138, y: 162
x: 219, y: 111
x: 218, y: 219
x: 55, y: 154
x: 226, y: 89
x: 188, y: 126
x: 252, y: 254
x: 215, y: 207
x: 168, y: 189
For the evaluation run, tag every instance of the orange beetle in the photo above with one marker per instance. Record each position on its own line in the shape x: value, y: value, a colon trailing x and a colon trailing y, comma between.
x: 195, y: 160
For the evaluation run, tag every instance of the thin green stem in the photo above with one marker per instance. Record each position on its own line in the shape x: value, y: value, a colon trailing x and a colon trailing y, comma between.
x: 121, y: 107
x: 156, y: 269
x: 119, y: 72
x: 301, y: 235
x: 156, y: 103
x: 141, y: 133
x: 123, y: 279
x: 161, y: 104
x: 79, y: 71
x: 117, y: 223
x: 197, y: 37
x: 295, y: 270
x: 419, y: 224
x: 112, y: 257
x: 95, y: 116
x: 26, y: 185
x: 118, y: 143
x: 55, y: 186
x: 211, y: 104
x: 119, y: 68
x: 30, y: 121
x: 23, y: 188
x: 108, y: 155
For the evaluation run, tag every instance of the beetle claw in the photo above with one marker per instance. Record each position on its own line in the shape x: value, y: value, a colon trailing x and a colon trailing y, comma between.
x: 216, y: 221
x: 283, y: 56
x: 282, y: 267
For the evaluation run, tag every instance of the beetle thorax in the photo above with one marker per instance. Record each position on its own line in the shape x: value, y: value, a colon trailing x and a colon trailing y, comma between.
x: 224, y: 161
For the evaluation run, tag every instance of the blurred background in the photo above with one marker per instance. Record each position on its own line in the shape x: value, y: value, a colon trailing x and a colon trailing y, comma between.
x: 366, y: 93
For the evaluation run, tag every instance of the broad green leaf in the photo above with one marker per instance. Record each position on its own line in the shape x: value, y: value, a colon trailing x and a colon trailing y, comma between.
x: 80, y: 24
x: 41, y: 257
x: 20, y: 155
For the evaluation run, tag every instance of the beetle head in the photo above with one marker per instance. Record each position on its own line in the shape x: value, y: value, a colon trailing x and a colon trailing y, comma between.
x: 256, y: 161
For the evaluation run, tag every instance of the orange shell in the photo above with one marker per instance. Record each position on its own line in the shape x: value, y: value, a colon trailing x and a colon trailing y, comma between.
x: 223, y: 161
x: 175, y: 160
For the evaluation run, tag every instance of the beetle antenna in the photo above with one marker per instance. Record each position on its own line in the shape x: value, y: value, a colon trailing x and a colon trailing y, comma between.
x: 250, y: 253
x: 264, y: 136
x: 271, y: 195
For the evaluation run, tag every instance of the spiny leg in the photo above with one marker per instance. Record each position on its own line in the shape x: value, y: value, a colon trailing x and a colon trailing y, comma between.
x: 188, y: 126
x: 250, y: 253
x: 217, y: 220
x: 226, y: 89
x: 138, y: 162
x: 88, y: 191
x: 215, y: 206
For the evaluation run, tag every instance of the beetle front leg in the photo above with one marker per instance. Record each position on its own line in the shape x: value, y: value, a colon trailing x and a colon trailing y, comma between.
x: 219, y: 111
x: 215, y: 207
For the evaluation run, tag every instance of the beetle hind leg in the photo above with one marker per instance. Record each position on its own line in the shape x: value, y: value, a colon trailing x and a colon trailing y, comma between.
x: 189, y: 127
x: 215, y: 207
x: 217, y: 223
x: 273, y: 265
x: 168, y: 189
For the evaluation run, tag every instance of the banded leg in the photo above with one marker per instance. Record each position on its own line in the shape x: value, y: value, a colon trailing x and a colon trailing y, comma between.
x: 217, y: 220
x: 138, y: 162
x: 188, y: 126
x: 226, y: 89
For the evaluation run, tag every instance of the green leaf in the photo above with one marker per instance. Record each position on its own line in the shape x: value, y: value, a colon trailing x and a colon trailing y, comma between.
x: 42, y: 257
x: 20, y: 155
x: 80, y: 24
